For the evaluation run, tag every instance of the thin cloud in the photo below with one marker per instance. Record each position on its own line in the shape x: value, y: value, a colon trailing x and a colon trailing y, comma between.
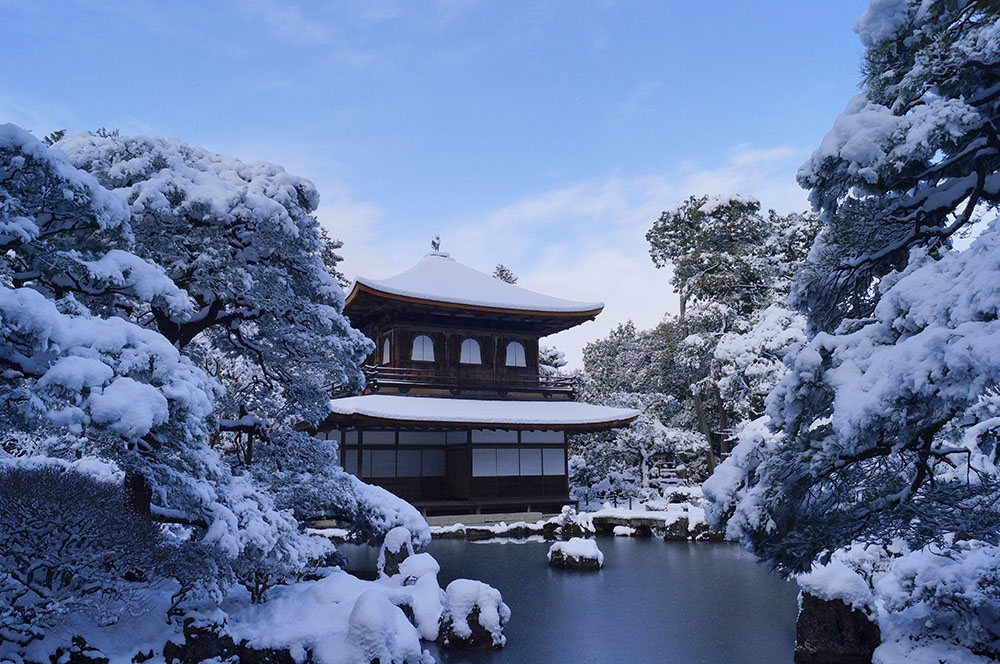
x: 286, y: 22
x: 745, y: 155
x: 636, y: 100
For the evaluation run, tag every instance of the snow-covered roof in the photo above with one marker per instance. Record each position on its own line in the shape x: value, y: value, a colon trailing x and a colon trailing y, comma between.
x: 477, y: 412
x: 438, y: 277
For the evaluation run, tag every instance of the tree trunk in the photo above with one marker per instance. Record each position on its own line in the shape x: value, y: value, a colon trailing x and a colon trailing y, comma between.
x: 710, y: 456
x: 644, y: 468
x: 723, y: 420
x: 139, y: 493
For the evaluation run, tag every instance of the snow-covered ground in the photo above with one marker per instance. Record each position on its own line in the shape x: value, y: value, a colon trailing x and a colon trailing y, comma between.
x: 336, y: 619
x: 675, y: 521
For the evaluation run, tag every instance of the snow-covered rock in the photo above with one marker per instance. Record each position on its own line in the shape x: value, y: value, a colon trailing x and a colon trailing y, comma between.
x: 567, y: 525
x: 671, y: 520
x: 577, y: 553
x: 396, y: 547
x: 378, y: 631
x: 410, y: 582
x: 474, y: 616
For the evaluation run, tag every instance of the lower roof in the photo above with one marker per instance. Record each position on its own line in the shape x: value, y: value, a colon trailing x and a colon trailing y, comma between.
x: 396, y: 410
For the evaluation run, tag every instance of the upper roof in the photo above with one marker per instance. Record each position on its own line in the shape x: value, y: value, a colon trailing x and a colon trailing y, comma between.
x: 394, y: 410
x: 439, y: 278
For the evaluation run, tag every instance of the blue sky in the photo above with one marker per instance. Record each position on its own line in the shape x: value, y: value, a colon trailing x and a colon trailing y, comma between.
x: 544, y: 135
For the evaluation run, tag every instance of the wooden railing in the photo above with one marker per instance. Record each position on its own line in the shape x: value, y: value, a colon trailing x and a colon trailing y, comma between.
x: 403, y: 379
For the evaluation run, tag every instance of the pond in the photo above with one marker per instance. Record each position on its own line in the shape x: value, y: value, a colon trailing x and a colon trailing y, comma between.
x: 654, y: 602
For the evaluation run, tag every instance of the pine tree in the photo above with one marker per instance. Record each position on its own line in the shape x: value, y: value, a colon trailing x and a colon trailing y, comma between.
x: 880, y: 444
x: 551, y: 361
x: 729, y: 264
x: 54, y: 137
x: 503, y: 273
x: 154, y: 299
x: 911, y: 161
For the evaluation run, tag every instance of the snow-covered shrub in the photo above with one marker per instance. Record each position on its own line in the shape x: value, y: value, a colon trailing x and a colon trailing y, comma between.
x: 304, y: 477
x: 951, y: 596
x: 411, y: 582
x: 622, y: 463
x: 396, y: 547
x: 593, y: 482
x: 70, y: 542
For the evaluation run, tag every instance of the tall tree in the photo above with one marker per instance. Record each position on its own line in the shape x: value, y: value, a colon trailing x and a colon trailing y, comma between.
x: 912, y: 160
x: 104, y: 354
x: 883, y: 434
x: 266, y: 309
x: 636, y: 369
x: 77, y: 385
x: 729, y: 263
x: 712, y: 244
x: 748, y: 361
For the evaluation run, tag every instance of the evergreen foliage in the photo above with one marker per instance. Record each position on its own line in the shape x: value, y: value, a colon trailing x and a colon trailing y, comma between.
x: 503, y: 273
x: 70, y: 542
x: 912, y: 160
x: 879, y: 452
x: 52, y: 138
x: 168, y: 314
x: 551, y: 361
x: 713, y: 244
x: 706, y: 372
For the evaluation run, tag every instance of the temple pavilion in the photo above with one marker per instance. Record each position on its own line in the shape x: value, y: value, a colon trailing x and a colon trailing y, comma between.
x: 454, y: 416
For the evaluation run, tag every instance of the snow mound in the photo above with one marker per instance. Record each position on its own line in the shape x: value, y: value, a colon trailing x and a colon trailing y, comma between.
x: 378, y: 631
x: 410, y: 580
x: 576, y: 554
x: 836, y: 580
x: 464, y: 598
x: 396, y: 547
x: 340, y: 619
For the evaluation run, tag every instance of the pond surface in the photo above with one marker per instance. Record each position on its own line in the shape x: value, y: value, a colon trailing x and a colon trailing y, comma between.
x: 654, y: 602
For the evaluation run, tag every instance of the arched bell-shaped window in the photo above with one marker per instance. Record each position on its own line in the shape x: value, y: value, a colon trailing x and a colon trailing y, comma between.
x: 470, y: 352
x: 386, y: 351
x: 515, y: 355
x: 423, y: 349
